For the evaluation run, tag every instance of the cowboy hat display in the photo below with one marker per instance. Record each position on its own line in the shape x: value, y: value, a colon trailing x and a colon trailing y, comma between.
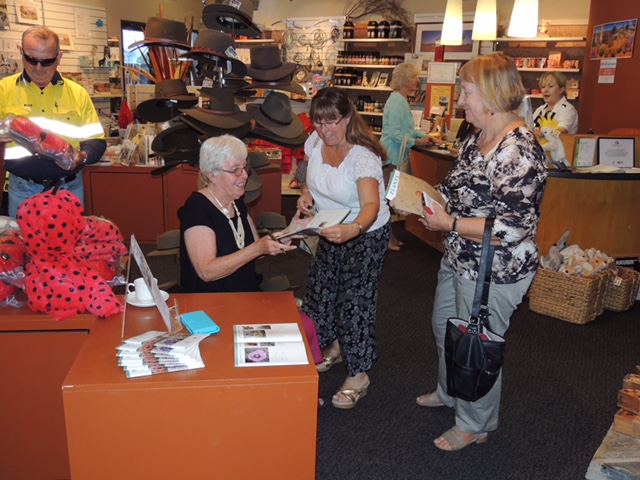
x: 260, y: 133
x: 222, y: 111
x: 259, y: 160
x: 163, y: 32
x: 267, y: 65
x: 231, y: 16
x: 211, y: 131
x: 217, y: 49
x: 285, y: 85
x: 178, y: 143
x: 169, y: 97
x: 275, y: 114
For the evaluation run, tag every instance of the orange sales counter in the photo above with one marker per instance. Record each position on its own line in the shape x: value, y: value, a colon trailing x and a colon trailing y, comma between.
x: 220, y: 421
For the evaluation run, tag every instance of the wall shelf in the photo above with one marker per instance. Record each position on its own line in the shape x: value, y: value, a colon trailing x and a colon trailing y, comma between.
x: 374, y: 40
x: 355, y: 65
x: 380, y: 89
x: 540, y: 39
x: 549, y: 70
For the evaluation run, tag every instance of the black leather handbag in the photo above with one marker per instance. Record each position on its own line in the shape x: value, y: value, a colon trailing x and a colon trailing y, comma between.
x: 474, y: 354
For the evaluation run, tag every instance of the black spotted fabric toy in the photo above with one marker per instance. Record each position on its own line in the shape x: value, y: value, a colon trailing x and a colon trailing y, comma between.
x: 71, y: 257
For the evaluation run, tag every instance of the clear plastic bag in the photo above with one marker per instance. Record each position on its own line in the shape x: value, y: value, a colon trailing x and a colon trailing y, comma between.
x: 38, y: 141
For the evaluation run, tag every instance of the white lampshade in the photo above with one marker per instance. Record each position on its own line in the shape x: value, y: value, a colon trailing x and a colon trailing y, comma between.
x: 452, y: 25
x: 485, y: 22
x: 524, y: 19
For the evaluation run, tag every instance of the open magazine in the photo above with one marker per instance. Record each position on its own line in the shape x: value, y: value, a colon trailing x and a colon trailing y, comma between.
x: 406, y: 191
x: 322, y: 219
x: 269, y: 345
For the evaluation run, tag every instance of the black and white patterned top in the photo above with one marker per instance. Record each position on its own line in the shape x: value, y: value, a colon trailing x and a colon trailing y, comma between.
x: 507, y: 182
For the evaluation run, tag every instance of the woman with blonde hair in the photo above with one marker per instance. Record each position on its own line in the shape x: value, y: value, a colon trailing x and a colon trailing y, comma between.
x: 500, y: 172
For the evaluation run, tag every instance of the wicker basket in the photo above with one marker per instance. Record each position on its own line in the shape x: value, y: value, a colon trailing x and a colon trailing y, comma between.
x: 622, y: 289
x: 568, y: 297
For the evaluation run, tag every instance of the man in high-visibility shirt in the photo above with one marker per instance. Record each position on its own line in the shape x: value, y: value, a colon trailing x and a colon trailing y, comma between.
x: 57, y: 105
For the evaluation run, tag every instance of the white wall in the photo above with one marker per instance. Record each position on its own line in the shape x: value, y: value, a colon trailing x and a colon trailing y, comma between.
x: 560, y: 12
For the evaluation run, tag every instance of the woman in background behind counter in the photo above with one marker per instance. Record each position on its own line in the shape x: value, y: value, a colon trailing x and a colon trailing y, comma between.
x: 398, y: 126
x: 556, y: 107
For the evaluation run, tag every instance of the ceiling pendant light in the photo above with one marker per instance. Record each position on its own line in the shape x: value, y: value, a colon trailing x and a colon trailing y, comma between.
x: 485, y: 22
x: 452, y: 25
x: 524, y: 19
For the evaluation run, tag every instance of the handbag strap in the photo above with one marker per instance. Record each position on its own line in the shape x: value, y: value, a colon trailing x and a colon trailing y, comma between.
x: 481, y: 298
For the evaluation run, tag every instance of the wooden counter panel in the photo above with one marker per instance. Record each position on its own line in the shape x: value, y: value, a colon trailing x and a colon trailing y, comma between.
x: 599, y: 210
x: 220, y: 421
x: 36, y: 352
x: 600, y: 213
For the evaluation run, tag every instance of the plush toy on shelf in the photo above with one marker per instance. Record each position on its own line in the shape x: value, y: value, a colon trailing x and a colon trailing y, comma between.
x: 551, y: 143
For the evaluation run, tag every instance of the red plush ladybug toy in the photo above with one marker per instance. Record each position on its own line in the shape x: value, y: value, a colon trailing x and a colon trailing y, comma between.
x: 70, y: 255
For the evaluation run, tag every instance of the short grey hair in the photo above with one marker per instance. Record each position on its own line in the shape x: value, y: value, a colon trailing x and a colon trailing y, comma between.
x: 401, y: 74
x: 215, y: 151
x: 42, y: 33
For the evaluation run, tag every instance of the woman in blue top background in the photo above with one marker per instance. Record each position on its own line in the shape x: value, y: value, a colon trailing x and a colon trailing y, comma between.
x: 398, y: 123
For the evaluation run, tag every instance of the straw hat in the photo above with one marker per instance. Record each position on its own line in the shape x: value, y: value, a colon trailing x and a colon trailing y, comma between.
x: 231, y: 16
x: 275, y: 114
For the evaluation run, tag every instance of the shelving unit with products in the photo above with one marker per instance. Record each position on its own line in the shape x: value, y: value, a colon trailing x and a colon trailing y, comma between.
x: 365, y: 67
x: 534, y: 56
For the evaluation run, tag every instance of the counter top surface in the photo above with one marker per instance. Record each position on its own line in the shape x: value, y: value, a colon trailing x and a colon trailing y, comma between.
x: 96, y: 365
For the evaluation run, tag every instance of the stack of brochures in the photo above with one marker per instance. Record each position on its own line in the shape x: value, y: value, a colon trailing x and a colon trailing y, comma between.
x: 156, y: 352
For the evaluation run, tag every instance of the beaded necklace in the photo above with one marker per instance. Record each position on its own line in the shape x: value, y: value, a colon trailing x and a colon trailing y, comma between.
x: 238, y: 233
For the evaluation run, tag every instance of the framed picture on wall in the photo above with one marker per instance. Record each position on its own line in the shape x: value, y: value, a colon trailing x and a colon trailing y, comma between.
x: 66, y: 41
x: 29, y: 12
x: 427, y: 34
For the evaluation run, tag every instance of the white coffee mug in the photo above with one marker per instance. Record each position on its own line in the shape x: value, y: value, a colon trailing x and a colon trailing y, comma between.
x: 140, y: 290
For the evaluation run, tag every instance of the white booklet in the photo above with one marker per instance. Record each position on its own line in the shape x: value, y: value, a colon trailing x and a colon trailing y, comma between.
x: 269, y: 345
x: 322, y: 219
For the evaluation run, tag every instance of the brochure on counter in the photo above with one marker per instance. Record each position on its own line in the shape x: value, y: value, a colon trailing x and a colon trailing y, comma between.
x: 269, y: 345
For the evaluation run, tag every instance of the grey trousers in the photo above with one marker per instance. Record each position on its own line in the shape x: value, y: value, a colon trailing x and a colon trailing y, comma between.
x: 454, y: 298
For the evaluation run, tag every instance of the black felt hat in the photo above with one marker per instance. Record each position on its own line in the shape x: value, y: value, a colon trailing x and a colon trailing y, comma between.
x: 231, y: 16
x: 212, y: 131
x: 179, y: 142
x: 170, y: 96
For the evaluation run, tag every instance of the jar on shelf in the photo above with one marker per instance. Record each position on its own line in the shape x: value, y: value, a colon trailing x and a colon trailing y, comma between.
x: 372, y: 29
x: 383, y: 29
x: 396, y: 29
x: 348, y: 29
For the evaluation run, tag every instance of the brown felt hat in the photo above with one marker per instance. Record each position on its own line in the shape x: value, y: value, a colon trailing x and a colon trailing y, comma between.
x: 218, y: 49
x: 222, y: 111
x: 163, y: 32
x: 267, y: 65
x: 275, y: 114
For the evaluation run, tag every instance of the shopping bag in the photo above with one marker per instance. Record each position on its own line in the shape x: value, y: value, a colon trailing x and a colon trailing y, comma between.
x: 474, y: 355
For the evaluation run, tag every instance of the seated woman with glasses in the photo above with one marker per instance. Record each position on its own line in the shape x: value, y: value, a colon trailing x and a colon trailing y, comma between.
x: 219, y: 242
x: 345, y: 171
